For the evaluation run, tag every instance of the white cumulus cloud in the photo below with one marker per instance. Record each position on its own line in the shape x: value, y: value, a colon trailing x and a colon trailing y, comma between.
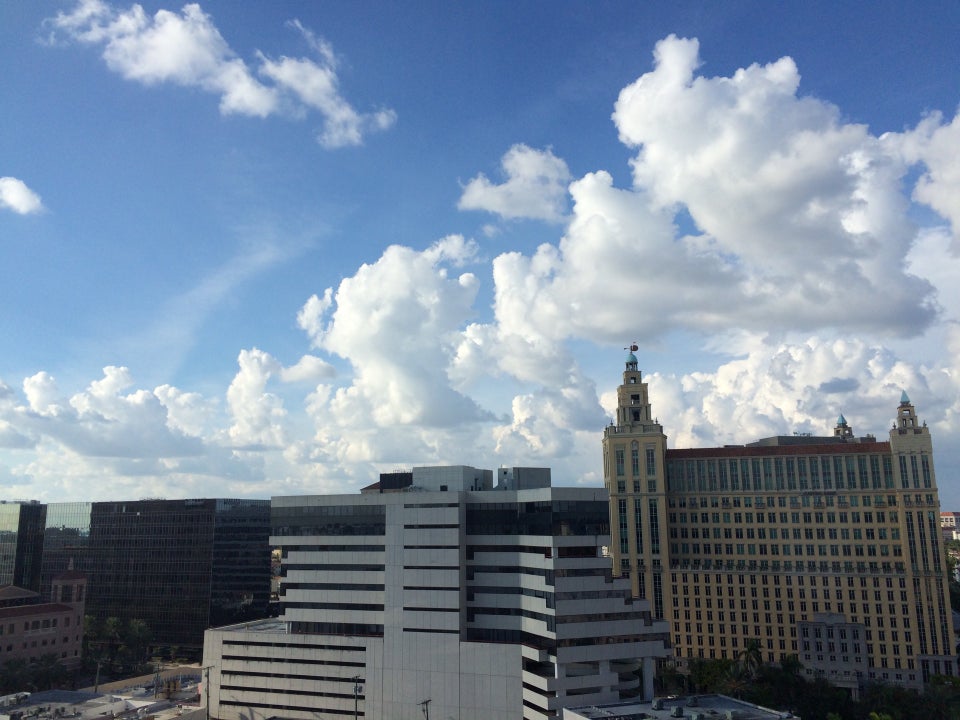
x: 306, y: 369
x: 16, y: 196
x: 397, y: 322
x: 934, y: 145
x: 187, y: 49
x: 777, y: 388
x: 799, y: 220
x: 257, y: 414
x: 536, y: 187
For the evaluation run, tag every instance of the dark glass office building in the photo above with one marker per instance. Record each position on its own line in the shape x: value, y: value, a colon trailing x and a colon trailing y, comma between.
x: 21, y: 536
x: 181, y: 566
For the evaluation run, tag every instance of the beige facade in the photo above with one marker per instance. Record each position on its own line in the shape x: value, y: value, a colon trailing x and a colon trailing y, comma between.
x: 30, y: 629
x: 747, y: 542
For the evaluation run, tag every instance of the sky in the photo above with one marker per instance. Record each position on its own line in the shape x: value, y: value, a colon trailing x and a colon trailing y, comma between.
x: 256, y: 249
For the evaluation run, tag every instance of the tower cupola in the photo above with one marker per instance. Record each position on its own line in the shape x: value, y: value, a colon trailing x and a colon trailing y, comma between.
x: 843, y: 429
x: 906, y: 415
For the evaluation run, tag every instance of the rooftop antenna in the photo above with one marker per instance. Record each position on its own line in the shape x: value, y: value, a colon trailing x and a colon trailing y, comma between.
x: 425, y: 707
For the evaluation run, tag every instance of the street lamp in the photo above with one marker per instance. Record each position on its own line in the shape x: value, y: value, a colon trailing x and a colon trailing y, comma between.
x: 357, y: 689
x: 206, y: 688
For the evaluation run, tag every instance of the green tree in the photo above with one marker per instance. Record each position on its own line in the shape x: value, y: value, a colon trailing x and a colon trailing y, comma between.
x: 47, y: 672
x: 751, y: 657
x: 110, y: 638
x: 710, y: 675
x: 16, y: 676
x: 791, y: 665
x: 738, y: 682
x: 669, y: 680
x: 136, y: 637
x: 941, y: 698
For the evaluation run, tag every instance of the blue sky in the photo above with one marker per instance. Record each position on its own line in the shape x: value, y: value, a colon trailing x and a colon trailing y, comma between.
x: 275, y: 248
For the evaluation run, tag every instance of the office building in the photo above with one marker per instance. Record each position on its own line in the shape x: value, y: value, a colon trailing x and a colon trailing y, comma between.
x: 21, y: 535
x: 435, y: 593
x: 181, y: 566
x: 755, y: 541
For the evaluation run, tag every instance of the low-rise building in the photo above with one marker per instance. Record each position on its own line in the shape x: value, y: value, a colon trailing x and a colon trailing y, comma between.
x: 31, y: 628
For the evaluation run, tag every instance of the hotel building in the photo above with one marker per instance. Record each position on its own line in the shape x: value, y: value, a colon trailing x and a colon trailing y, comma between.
x: 828, y: 548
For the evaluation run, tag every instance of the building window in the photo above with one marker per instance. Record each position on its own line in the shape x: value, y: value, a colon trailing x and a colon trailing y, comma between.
x: 637, y: 508
x: 654, y: 530
x: 624, y: 533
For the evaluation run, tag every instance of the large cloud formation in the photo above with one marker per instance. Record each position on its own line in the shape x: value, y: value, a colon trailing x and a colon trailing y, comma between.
x: 758, y: 222
x: 798, y: 219
x: 187, y: 49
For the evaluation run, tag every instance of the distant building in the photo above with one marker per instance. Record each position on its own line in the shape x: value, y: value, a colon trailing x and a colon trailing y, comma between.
x: 181, y: 566
x: 31, y: 628
x: 434, y: 593
x: 950, y: 525
x: 751, y: 541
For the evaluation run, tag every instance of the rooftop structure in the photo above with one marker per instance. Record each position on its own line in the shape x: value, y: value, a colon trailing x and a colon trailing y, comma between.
x: 693, y: 707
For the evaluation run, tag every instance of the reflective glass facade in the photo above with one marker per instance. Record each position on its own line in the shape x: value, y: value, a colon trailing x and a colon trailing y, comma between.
x: 65, y: 539
x: 21, y: 533
x: 181, y: 566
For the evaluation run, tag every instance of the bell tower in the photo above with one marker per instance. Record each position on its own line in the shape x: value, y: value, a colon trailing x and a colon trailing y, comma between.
x: 634, y: 456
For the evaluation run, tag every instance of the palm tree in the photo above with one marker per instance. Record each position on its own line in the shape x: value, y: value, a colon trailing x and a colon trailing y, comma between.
x: 106, y: 637
x: 669, y: 680
x: 751, y: 657
x: 738, y: 682
x: 136, y: 640
x: 791, y: 665
x: 47, y: 671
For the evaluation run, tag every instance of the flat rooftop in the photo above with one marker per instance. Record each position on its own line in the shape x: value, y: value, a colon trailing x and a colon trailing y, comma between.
x: 267, y: 625
x: 694, y: 707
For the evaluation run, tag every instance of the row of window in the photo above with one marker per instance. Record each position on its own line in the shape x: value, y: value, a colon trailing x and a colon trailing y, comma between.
x: 808, y: 533
x: 800, y: 501
x: 35, y: 625
x: 796, y: 549
x: 650, y: 458
x: 794, y: 517
x: 798, y: 473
